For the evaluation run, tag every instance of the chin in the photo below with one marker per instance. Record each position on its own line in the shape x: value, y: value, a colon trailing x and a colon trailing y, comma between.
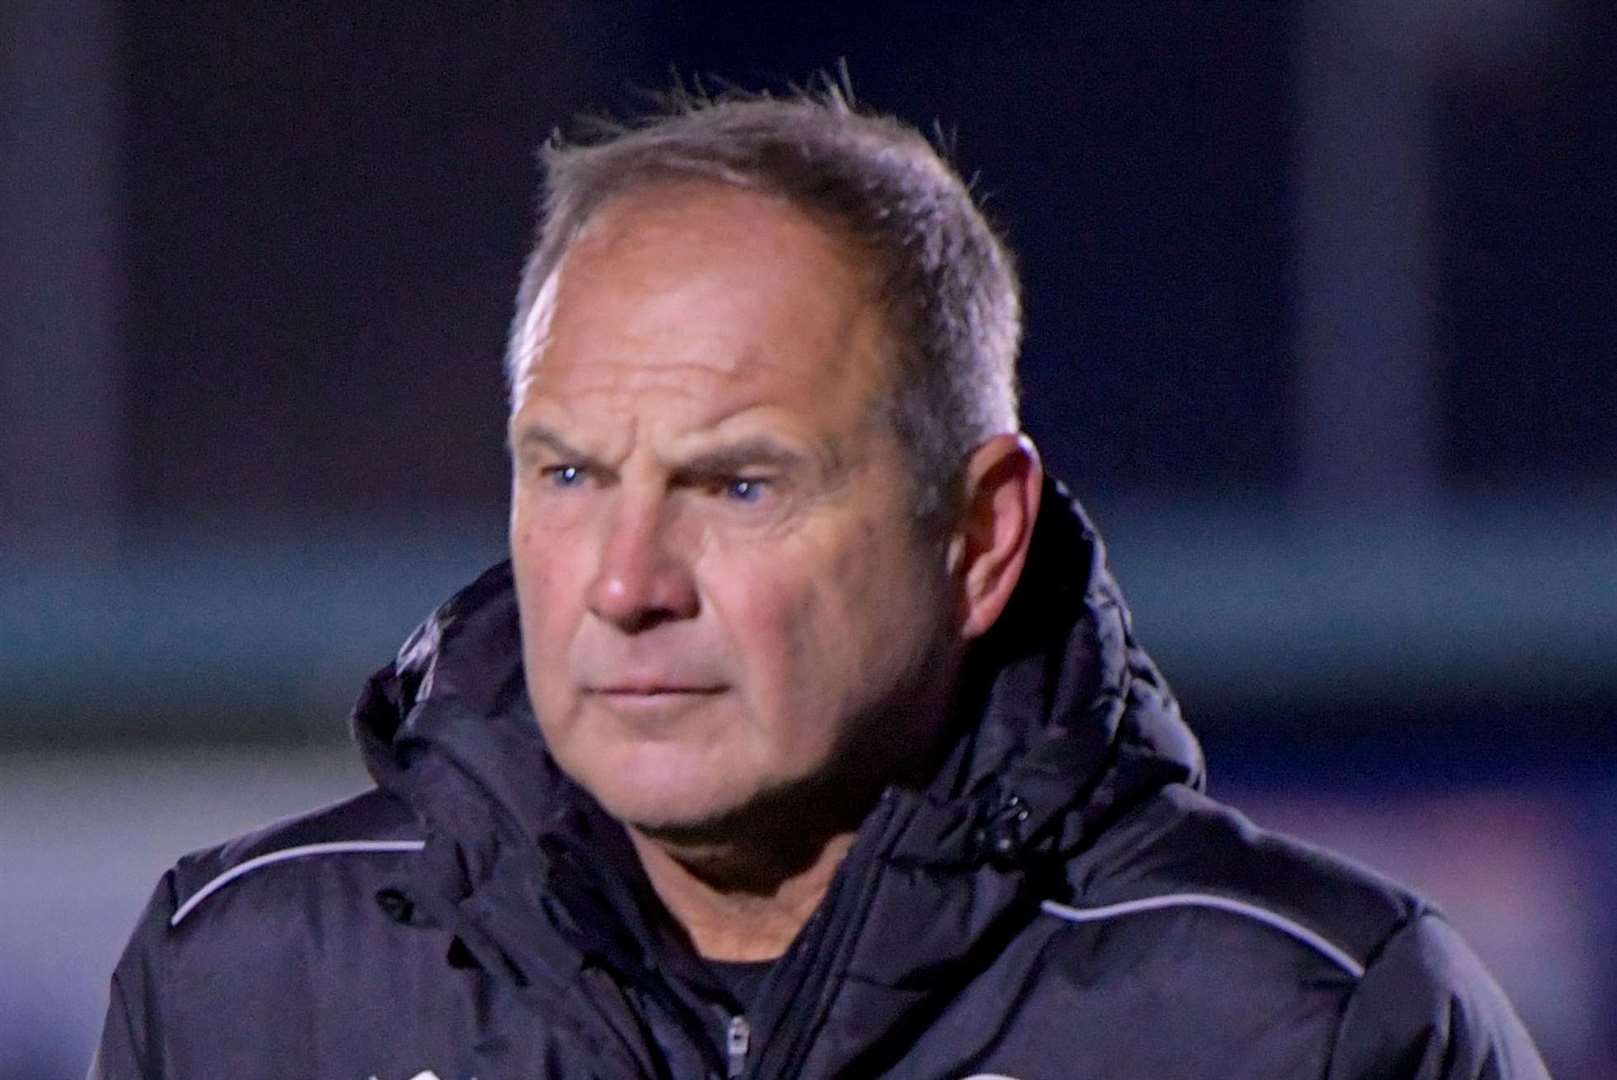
x: 684, y: 817
x: 658, y: 793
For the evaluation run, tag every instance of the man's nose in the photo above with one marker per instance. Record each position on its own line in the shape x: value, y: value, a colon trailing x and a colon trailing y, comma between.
x: 644, y: 577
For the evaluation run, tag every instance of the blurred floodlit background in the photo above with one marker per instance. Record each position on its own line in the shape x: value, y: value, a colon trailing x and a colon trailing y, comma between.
x: 1321, y: 326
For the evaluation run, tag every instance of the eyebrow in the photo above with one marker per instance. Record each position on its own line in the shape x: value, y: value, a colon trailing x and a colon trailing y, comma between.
x: 758, y: 450
x: 739, y: 456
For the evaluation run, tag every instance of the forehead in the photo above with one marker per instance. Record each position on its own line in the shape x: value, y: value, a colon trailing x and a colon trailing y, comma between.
x: 701, y: 280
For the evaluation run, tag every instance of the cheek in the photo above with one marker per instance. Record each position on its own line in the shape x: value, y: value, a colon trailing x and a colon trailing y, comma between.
x: 763, y: 613
x: 547, y: 634
x: 808, y: 626
x: 548, y: 597
x: 886, y: 599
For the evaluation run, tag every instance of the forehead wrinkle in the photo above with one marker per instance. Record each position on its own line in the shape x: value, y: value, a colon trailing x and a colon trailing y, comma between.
x: 661, y: 216
x: 740, y: 435
x: 575, y: 372
x: 706, y: 366
x: 612, y: 247
x: 730, y: 441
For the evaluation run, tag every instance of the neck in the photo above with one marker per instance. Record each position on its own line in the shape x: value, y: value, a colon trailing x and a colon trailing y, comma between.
x: 733, y: 905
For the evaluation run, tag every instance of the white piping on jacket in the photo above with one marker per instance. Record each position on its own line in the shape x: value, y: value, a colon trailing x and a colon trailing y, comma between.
x: 1273, y: 919
x: 337, y: 847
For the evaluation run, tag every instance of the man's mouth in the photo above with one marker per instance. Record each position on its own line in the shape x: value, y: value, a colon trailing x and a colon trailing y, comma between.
x: 650, y: 691
x: 654, y: 703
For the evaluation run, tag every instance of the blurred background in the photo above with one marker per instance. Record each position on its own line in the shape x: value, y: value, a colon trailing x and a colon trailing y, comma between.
x: 1321, y: 326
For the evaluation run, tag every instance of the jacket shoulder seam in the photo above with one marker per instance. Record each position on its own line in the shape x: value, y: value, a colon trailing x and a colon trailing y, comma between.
x: 258, y: 862
x: 1272, y: 919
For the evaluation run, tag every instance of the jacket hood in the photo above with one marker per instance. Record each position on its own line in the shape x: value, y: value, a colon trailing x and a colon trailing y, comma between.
x: 1070, y: 711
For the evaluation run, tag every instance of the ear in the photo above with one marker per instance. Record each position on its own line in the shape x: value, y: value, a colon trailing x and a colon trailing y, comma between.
x: 988, y: 547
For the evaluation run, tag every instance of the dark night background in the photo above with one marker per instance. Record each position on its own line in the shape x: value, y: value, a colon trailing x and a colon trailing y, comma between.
x: 1321, y: 318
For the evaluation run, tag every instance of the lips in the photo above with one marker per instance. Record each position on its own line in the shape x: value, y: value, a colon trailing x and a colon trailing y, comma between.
x: 645, y: 678
x: 650, y: 690
x: 630, y: 681
x: 651, y: 702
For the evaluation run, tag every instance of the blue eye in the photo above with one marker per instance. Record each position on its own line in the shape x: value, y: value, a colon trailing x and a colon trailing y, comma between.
x: 564, y: 476
x: 743, y: 490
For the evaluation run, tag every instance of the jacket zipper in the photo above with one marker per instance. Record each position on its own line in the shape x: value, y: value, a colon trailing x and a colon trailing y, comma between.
x: 737, y: 1040
x: 807, y: 979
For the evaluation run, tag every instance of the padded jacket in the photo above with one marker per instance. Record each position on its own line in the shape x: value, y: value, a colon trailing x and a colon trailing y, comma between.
x: 1062, y: 901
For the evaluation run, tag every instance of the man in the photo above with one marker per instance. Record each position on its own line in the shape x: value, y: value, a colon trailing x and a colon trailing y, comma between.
x: 805, y: 734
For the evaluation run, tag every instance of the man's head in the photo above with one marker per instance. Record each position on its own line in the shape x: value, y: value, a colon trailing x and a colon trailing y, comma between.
x: 948, y: 283
x: 730, y: 611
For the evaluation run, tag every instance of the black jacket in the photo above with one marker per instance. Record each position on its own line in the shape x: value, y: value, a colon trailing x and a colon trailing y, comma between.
x: 1063, y: 901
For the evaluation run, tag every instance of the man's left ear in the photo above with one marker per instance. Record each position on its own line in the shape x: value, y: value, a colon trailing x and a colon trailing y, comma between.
x: 1001, y: 486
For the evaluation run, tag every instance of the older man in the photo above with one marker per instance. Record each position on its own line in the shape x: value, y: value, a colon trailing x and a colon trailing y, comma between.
x: 798, y: 738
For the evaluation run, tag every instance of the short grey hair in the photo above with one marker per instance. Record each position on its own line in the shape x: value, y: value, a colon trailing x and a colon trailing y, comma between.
x: 949, y: 282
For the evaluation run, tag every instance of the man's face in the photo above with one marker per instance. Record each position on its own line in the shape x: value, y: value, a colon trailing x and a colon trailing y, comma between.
x: 720, y: 586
